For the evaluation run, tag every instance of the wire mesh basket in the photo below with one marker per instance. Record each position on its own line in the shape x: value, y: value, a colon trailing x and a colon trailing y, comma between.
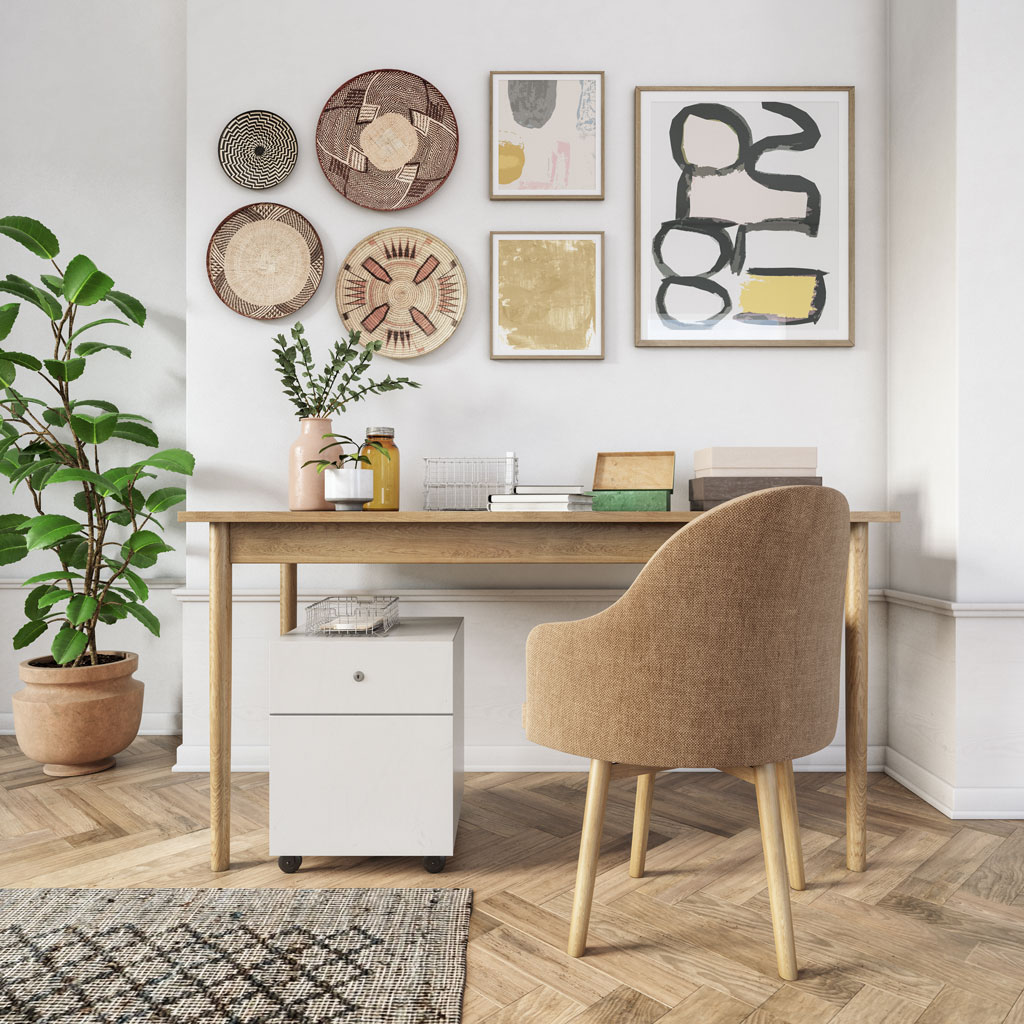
x: 463, y: 485
x: 352, y: 616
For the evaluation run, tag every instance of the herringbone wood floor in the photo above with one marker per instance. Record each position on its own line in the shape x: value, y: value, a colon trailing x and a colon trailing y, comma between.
x: 933, y: 931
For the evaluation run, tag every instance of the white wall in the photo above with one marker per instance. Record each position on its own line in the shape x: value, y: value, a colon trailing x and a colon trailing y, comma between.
x: 555, y: 415
x: 94, y: 138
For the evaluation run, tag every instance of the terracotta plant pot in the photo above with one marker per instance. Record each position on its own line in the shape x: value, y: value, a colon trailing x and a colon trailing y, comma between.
x: 306, y: 485
x: 73, y: 720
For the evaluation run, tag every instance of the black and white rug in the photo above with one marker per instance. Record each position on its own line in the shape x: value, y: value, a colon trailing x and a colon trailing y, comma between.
x: 238, y: 955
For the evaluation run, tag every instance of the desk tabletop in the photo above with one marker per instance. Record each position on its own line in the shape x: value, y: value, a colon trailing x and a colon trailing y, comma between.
x: 423, y: 518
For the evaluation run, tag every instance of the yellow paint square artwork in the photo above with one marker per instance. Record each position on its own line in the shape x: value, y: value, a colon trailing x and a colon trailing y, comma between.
x: 546, y: 295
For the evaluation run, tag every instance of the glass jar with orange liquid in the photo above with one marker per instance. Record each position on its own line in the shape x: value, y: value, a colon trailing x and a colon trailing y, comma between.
x: 385, y: 468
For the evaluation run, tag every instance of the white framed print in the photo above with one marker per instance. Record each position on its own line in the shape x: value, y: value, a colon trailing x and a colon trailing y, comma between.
x: 744, y: 216
x: 547, y: 294
x: 547, y: 135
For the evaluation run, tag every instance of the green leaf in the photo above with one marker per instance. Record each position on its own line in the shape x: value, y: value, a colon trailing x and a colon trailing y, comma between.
x: 96, y: 323
x: 45, y: 531
x: 94, y: 429
x: 54, y: 596
x: 74, y: 552
x: 56, y: 574
x: 84, y: 283
x: 13, y: 521
x: 94, y: 403
x: 14, y: 285
x: 80, y: 609
x: 8, y: 314
x: 22, y: 359
x: 13, y: 547
x: 8, y: 372
x: 34, y: 236
x: 87, y: 348
x: 145, y: 616
x: 135, y: 417
x: 138, y: 433
x: 165, y: 498
x: 54, y: 283
x: 73, y: 473
x: 143, y: 547
x: 28, y: 633
x: 120, y: 517
x: 131, y: 307
x: 65, y: 369
x: 56, y: 415
x: 111, y: 611
x: 33, y: 608
x: 67, y: 645
x: 138, y: 585
x: 175, y: 460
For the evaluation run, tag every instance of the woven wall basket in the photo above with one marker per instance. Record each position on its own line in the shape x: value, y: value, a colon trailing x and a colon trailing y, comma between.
x: 404, y: 287
x: 257, y: 149
x: 265, y: 261
x: 387, y: 139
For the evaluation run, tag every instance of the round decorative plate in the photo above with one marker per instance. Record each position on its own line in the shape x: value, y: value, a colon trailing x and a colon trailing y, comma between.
x: 387, y: 140
x: 403, y: 287
x: 265, y: 261
x: 257, y: 149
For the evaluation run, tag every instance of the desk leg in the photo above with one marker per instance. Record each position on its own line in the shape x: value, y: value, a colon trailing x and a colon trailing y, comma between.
x: 289, y: 597
x: 857, y: 698
x: 220, y: 696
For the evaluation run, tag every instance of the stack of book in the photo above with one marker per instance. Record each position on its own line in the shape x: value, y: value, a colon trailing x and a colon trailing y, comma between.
x: 721, y: 474
x: 543, y: 498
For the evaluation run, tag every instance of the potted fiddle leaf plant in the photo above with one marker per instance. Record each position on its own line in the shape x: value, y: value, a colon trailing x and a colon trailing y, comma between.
x: 348, y: 485
x: 98, y: 523
x: 317, y: 396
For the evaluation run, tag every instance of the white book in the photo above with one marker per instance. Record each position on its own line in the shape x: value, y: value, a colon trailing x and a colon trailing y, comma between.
x: 758, y: 471
x: 564, y: 496
x: 542, y: 506
x: 762, y: 458
x: 550, y: 489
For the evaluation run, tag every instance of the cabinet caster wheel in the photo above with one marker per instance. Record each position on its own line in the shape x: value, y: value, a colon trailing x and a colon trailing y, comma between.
x: 289, y: 865
x: 434, y: 864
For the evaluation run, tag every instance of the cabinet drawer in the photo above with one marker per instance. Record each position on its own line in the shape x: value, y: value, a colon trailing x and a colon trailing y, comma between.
x: 330, y: 675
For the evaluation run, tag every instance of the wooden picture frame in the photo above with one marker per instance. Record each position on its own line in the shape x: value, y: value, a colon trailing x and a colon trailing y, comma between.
x: 521, y: 305
x: 785, y: 279
x: 524, y: 148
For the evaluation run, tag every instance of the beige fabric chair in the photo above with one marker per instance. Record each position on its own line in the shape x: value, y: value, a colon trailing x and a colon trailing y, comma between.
x: 724, y: 653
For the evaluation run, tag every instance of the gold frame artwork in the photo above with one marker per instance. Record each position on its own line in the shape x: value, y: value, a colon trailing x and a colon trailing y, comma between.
x: 567, y: 195
x: 496, y: 236
x: 701, y: 339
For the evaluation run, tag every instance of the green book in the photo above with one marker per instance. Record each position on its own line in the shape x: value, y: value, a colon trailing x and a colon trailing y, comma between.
x: 632, y: 501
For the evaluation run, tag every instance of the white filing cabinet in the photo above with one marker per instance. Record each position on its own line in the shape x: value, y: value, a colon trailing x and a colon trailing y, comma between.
x: 366, y: 753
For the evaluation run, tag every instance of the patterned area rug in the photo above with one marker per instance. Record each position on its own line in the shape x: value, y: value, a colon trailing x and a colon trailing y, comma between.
x: 239, y: 955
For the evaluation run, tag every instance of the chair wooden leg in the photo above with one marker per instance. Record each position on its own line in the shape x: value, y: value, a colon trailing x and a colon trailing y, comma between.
x: 766, y: 783
x: 641, y: 824
x: 590, y: 847
x: 790, y: 825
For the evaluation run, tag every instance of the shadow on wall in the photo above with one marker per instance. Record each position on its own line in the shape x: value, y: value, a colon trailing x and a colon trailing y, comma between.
x: 915, y: 565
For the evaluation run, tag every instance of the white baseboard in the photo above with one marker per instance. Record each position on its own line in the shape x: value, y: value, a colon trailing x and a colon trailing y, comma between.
x: 154, y: 723
x: 526, y: 757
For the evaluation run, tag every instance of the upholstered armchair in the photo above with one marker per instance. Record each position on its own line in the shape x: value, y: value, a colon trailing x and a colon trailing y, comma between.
x: 724, y: 653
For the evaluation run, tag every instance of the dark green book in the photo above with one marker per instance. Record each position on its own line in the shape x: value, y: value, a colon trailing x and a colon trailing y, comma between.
x: 632, y: 501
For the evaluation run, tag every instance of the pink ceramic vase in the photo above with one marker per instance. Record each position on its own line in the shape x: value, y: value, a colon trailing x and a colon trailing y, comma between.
x: 306, y: 485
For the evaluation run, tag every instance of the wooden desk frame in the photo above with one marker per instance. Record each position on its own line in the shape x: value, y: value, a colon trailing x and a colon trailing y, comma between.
x: 293, y: 538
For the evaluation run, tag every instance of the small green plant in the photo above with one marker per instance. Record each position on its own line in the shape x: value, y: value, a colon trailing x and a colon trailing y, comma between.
x: 58, y: 440
x: 340, y: 457
x: 328, y: 391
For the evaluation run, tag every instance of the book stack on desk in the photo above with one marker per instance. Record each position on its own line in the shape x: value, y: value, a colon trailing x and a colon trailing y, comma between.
x: 723, y: 473
x: 543, y: 498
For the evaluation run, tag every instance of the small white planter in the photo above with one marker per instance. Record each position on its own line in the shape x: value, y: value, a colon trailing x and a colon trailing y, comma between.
x: 349, y: 488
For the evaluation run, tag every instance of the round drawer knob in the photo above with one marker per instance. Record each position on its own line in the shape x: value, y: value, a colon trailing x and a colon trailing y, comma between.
x: 358, y: 676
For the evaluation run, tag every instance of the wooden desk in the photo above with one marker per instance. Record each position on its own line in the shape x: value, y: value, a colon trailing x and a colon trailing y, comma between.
x: 292, y: 538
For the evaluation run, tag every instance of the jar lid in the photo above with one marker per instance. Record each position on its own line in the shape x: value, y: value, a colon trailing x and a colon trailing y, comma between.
x: 380, y: 431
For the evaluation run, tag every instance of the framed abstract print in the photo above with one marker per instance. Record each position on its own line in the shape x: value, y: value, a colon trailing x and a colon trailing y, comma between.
x: 547, y: 295
x: 744, y: 216
x: 547, y: 135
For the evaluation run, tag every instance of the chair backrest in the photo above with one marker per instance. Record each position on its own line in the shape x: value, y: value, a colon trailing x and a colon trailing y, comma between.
x: 727, y: 644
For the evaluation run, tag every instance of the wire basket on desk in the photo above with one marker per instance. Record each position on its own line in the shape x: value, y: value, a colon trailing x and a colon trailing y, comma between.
x: 463, y: 485
x: 352, y: 616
